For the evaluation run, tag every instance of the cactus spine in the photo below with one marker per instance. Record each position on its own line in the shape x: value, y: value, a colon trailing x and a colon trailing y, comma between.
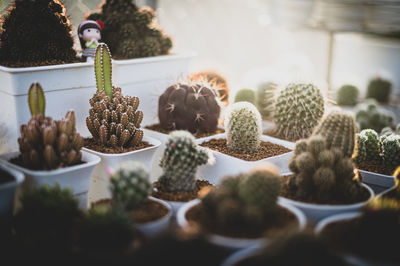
x: 114, y: 119
x: 130, y: 185
x: 339, y: 130
x: 243, y: 127
x: 298, y: 109
x: 180, y: 161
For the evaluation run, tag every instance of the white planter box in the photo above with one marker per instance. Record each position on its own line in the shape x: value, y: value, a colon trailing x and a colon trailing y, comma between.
x: 70, y: 86
x: 317, y: 212
x: 76, y: 177
x: 7, y: 191
x: 227, y: 165
x: 100, y: 178
x: 231, y: 243
x: 382, y: 181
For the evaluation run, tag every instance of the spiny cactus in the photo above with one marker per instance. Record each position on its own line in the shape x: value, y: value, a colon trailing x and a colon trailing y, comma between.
x: 339, y: 130
x: 297, y: 111
x: 246, y: 95
x: 114, y: 120
x: 368, y: 146
x: 180, y: 161
x: 390, y: 147
x: 192, y: 107
x: 265, y: 98
x: 347, y: 95
x: 243, y: 127
x: 47, y: 144
x: 130, y: 185
x: 370, y: 116
x: 321, y: 172
x: 216, y: 80
x: 379, y: 89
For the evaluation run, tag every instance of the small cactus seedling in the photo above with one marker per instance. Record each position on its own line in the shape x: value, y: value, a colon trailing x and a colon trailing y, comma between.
x: 339, y: 130
x: 390, y: 147
x: 114, y: 119
x: 46, y: 144
x: 243, y: 127
x: 130, y: 185
x: 180, y: 161
x: 379, y: 89
x: 298, y: 109
x: 368, y: 146
x: 347, y: 95
x: 246, y: 95
x: 192, y: 107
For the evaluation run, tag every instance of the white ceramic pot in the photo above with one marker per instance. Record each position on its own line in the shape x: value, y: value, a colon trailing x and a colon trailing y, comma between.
x: 7, y: 190
x: 154, y: 228
x: 227, y: 165
x: 378, y: 181
x: 76, y: 177
x: 231, y: 243
x: 317, y: 212
x: 241, y: 255
x: 100, y: 177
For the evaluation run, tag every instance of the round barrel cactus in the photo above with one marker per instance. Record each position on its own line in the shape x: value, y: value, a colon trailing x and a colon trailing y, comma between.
x: 347, y: 95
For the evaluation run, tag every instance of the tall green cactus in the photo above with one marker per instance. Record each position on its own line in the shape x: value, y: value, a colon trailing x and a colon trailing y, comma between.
x: 243, y: 127
x: 103, y: 69
x: 298, y: 109
x: 36, y: 100
x: 339, y: 130
x: 180, y: 161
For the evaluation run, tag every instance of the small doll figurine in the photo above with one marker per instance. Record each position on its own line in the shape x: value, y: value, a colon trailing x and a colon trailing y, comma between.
x: 89, y: 36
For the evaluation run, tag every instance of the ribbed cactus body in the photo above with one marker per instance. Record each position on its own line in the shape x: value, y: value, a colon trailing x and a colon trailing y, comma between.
x: 347, y: 95
x: 191, y: 107
x: 379, y: 89
x: 368, y: 145
x: 339, y: 130
x: 265, y: 98
x: 298, y: 109
x: 180, y: 161
x: 390, y: 147
x: 130, y: 185
x: 243, y: 127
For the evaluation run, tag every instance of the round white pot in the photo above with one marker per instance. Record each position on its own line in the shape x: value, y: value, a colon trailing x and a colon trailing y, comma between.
x: 317, y: 212
x: 380, y: 181
x: 242, y: 254
x: 231, y: 243
x: 154, y: 228
x: 76, y: 177
x: 7, y: 190
x: 100, y: 177
x: 228, y: 165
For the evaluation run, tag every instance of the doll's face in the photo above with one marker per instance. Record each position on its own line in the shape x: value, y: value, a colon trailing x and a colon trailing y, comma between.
x: 91, y: 33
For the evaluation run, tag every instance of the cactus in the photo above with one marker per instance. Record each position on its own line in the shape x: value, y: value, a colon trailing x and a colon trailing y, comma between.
x: 321, y: 172
x: 180, y: 161
x: 47, y: 144
x: 130, y: 185
x: 339, y: 130
x: 370, y: 116
x: 368, y: 146
x: 265, y: 98
x: 245, y: 95
x: 386, y: 131
x: 297, y: 111
x: 243, y: 127
x: 216, y: 80
x: 131, y: 32
x: 36, y: 33
x: 390, y: 146
x: 113, y: 120
x: 192, y: 107
x: 379, y: 89
x: 347, y: 95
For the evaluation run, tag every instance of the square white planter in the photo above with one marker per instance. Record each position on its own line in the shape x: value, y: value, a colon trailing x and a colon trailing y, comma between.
x: 70, y: 86
x: 227, y: 165
x: 100, y: 178
x: 7, y: 191
x: 76, y: 177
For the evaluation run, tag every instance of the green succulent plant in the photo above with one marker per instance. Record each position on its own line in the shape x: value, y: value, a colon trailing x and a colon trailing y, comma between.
x: 390, y: 149
x: 368, y: 146
x: 379, y: 89
x: 347, y: 95
x: 370, y: 116
x: 265, y: 98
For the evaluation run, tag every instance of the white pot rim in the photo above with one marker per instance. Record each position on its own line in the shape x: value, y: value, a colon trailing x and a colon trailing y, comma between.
x: 87, y: 158
x: 162, y: 219
x: 45, y: 68
x: 335, y: 218
x: 323, y: 207
x: 155, y: 142
x: 152, y: 59
x: 376, y: 174
x: 18, y: 176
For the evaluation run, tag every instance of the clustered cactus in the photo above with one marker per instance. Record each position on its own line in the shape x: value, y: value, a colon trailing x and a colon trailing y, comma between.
x: 347, y: 95
x: 114, y: 119
x: 339, y: 130
x: 320, y: 173
x: 131, y: 32
x: 243, y: 127
x: 193, y: 107
x: 130, y: 185
x: 379, y: 89
x: 370, y: 116
x: 298, y: 109
x: 47, y: 144
x: 246, y: 199
x: 265, y: 98
x: 180, y: 161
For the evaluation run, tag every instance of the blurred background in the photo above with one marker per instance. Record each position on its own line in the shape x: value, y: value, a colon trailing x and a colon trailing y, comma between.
x: 329, y: 42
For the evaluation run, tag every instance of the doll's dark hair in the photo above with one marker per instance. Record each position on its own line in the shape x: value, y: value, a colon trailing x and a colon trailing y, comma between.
x: 88, y: 24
